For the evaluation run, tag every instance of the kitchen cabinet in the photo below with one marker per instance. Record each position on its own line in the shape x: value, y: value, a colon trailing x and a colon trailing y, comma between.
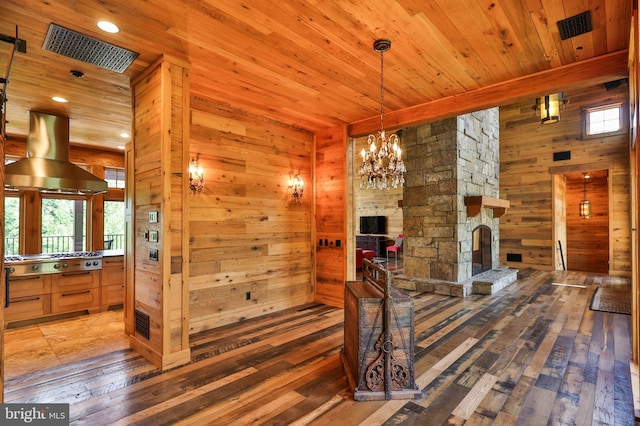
x: 74, y: 291
x: 29, y: 297
x: 112, y: 282
x: 47, y: 294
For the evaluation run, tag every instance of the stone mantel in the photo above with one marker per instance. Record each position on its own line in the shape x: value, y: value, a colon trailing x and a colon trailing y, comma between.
x: 476, y: 203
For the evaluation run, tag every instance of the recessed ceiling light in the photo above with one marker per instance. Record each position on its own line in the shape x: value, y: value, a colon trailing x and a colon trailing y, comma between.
x: 124, y: 135
x: 59, y: 99
x: 108, y: 27
x: 120, y: 146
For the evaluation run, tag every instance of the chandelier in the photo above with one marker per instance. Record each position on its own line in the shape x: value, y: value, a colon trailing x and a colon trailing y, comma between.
x: 382, y: 166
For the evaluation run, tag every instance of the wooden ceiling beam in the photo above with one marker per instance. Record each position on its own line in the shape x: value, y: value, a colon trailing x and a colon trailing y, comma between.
x: 579, y: 74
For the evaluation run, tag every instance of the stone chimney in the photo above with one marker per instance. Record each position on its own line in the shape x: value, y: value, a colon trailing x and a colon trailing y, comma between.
x: 447, y: 161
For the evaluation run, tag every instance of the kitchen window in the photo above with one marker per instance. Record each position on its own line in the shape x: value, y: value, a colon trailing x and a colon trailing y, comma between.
x: 11, y: 225
x: 114, y: 225
x: 64, y: 225
x: 114, y: 177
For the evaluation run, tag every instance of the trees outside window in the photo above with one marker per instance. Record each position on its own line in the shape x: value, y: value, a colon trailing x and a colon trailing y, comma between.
x: 64, y: 226
x: 114, y: 225
x: 11, y: 225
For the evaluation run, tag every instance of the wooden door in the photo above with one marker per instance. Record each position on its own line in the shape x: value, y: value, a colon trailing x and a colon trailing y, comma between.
x: 588, y: 239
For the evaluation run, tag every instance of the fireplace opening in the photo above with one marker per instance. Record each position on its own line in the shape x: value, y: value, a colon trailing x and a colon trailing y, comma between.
x: 481, y: 251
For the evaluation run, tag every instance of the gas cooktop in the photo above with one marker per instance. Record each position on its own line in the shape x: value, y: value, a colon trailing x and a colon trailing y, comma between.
x: 49, y: 256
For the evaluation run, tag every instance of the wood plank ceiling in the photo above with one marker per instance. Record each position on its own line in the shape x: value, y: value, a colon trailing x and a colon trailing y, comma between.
x: 309, y: 64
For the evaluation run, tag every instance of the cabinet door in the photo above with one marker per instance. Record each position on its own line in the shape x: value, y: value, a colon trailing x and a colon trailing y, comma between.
x: 71, y: 281
x: 112, y: 282
x: 76, y: 300
x: 112, y: 271
x: 29, y: 286
x: 75, y: 291
x: 29, y: 297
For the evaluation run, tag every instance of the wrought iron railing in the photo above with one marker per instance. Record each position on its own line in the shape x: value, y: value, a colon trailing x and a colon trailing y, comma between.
x: 62, y: 243
x: 114, y: 241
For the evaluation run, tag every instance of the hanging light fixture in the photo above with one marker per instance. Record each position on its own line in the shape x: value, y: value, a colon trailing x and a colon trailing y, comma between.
x: 549, y: 107
x: 382, y: 166
x: 585, y: 205
x: 296, y: 188
x: 196, y: 177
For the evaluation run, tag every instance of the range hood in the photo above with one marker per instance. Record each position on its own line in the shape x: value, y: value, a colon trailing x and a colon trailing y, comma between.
x: 47, y: 167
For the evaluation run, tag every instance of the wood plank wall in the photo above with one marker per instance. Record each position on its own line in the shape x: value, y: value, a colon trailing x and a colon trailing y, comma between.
x: 331, y: 216
x: 370, y: 202
x: 249, y: 242
x: 526, y: 157
x: 587, y: 246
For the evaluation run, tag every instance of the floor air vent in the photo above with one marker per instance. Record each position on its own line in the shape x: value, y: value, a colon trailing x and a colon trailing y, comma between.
x: 575, y: 25
x: 142, y: 324
x: 87, y: 49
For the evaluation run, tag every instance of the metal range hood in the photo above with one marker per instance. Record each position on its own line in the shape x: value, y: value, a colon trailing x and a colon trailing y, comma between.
x: 47, y: 167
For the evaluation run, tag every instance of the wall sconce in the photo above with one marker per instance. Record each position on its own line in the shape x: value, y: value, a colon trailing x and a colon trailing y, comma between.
x: 549, y: 107
x: 196, y: 177
x: 296, y: 188
x: 585, y: 205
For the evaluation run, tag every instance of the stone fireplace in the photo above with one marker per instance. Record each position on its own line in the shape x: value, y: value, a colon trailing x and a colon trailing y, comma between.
x: 452, y: 188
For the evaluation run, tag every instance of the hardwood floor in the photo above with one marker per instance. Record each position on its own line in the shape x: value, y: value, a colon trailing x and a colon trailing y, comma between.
x: 532, y: 354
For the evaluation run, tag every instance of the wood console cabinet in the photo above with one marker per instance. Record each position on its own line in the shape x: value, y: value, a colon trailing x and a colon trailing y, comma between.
x: 377, y: 243
x: 364, y: 330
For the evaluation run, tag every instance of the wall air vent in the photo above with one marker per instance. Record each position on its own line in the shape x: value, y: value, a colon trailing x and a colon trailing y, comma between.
x: 142, y: 324
x: 87, y: 49
x: 575, y: 25
x: 514, y: 257
x: 562, y: 155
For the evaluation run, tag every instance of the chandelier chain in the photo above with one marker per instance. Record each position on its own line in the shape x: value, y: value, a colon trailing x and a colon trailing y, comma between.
x: 381, y: 90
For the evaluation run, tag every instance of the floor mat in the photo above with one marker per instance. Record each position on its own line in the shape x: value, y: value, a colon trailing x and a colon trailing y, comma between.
x: 607, y: 299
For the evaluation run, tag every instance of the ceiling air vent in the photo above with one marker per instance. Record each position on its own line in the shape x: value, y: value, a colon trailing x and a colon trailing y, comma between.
x: 87, y: 49
x: 575, y: 25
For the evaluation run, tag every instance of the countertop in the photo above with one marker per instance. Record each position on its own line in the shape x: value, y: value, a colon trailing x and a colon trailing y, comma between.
x: 111, y: 253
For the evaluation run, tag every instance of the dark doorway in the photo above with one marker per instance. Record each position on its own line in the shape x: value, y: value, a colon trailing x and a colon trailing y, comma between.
x: 481, y: 251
